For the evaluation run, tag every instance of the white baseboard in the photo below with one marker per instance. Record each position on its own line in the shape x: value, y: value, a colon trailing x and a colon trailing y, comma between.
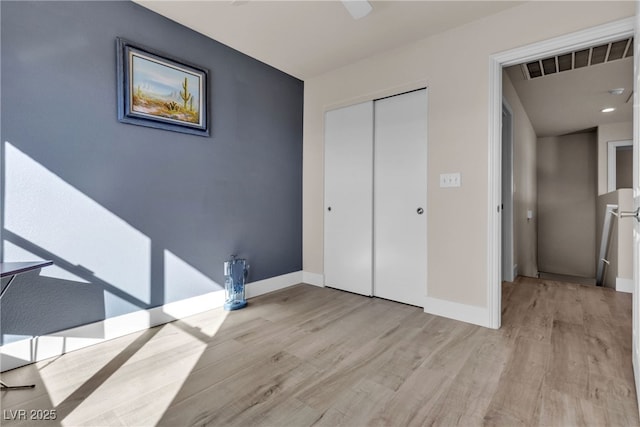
x: 624, y: 285
x: 261, y: 287
x: 313, y: 279
x: 452, y: 310
x: 24, y: 352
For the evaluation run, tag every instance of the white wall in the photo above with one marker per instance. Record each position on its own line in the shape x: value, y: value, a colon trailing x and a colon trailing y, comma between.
x: 606, y: 133
x: 567, y: 180
x: 525, y: 194
x: 455, y: 66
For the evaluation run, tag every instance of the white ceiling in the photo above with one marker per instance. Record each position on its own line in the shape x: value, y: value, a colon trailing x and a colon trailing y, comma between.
x: 571, y: 101
x: 307, y: 38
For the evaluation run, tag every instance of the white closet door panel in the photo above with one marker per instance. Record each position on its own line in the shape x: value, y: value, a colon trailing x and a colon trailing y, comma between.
x: 400, y: 190
x: 348, y: 206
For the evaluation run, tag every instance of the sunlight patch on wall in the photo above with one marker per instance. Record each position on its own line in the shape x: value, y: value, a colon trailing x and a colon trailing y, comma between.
x: 182, y: 280
x: 51, y: 214
x: 115, y: 305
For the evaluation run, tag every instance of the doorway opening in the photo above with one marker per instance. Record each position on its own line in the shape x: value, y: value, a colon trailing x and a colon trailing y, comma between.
x: 561, y: 45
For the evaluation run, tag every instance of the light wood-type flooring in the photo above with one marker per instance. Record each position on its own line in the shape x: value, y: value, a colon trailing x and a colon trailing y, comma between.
x: 308, y: 356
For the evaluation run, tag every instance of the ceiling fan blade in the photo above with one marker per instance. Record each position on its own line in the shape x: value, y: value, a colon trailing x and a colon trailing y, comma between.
x: 357, y: 8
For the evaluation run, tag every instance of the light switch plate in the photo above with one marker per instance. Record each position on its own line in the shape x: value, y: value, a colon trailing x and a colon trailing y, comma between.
x: 450, y: 180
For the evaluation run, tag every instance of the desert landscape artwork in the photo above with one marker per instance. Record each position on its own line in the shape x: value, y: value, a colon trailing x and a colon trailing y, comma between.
x: 162, y: 90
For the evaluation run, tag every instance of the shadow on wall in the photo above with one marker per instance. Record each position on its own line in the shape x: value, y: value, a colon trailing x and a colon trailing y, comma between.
x: 102, y: 265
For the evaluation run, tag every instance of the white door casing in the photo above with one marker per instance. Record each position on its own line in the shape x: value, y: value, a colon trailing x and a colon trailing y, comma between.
x: 348, y: 216
x: 400, y: 198
x: 612, y: 147
x: 507, y: 193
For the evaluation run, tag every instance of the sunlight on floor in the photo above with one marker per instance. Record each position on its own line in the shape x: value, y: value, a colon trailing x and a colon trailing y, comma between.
x: 215, y: 319
x: 79, y: 383
x: 57, y: 380
x: 156, y: 379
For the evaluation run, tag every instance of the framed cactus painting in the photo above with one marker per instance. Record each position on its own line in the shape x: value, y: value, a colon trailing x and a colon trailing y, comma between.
x: 160, y: 91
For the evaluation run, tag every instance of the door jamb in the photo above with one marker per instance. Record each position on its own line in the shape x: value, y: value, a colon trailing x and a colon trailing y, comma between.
x: 558, y: 45
x: 612, y: 147
x: 509, y: 201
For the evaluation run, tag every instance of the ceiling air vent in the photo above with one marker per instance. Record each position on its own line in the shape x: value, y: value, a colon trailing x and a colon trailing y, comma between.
x: 565, y: 62
x: 581, y: 58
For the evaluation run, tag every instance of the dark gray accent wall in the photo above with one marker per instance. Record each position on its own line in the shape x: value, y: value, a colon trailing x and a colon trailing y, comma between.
x: 199, y: 198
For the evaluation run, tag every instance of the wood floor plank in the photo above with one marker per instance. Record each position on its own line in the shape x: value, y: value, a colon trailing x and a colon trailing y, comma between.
x: 358, y: 364
x: 456, y: 350
x: 269, y: 400
x: 291, y: 413
x: 215, y: 366
x: 558, y: 408
x: 415, y: 400
x: 606, y: 356
x: 567, y: 298
x: 528, y: 362
x: 238, y: 393
x: 517, y: 395
x: 358, y: 402
x: 569, y: 370
x: 514, y: 403
x: 330, y: 418
x: 537, y: 317
x: 408, y: 355
x: 475, y: 383
x: 336, y: 341
x: 520, y: 294
x: 617, y: 396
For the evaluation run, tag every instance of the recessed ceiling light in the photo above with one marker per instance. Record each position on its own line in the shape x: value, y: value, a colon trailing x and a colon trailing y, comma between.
x: 357, y: 8
x: 608, y: 110
x: 617, y: 91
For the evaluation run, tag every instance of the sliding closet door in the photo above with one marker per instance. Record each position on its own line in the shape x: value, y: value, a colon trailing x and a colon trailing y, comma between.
x: 400, y: 198
x: 348, y: 162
